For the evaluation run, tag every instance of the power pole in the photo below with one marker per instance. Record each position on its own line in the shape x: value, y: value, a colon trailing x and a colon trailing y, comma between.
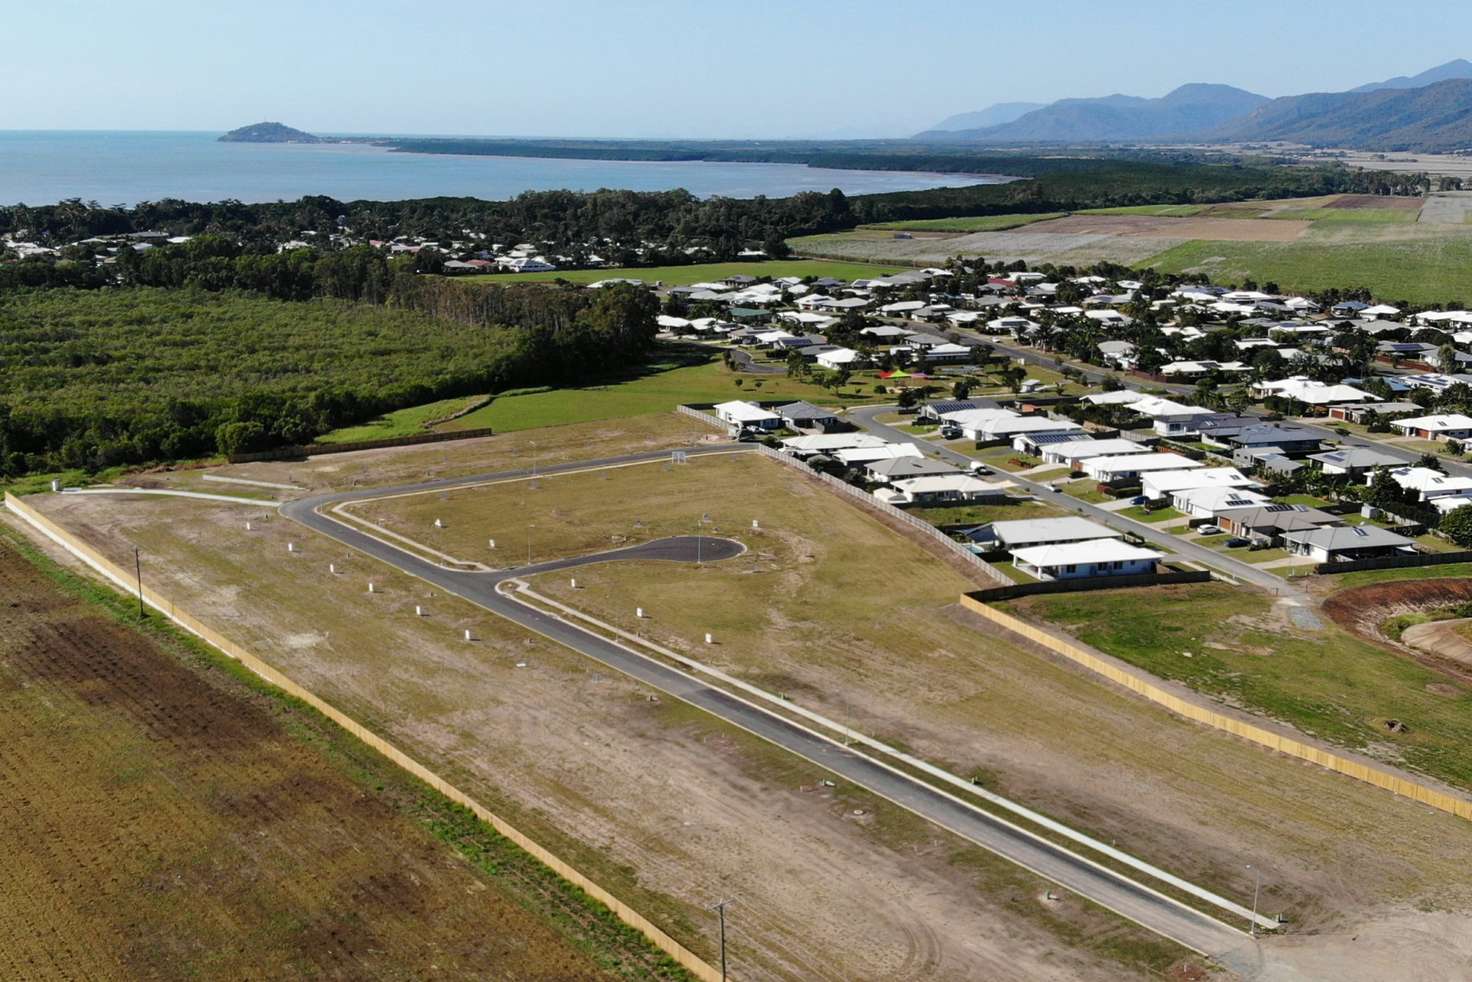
x: 138, y: 572
x: 720, y: 909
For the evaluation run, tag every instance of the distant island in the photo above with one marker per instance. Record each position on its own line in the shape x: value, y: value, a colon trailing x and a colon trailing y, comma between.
x: 269, y: 133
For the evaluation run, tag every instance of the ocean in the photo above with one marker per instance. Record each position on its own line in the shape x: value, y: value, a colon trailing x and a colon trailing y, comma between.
x: 43, y: 167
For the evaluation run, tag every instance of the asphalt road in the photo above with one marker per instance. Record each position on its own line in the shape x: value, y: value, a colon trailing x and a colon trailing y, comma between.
x: 1166, y: 917
x: 1183, y: 548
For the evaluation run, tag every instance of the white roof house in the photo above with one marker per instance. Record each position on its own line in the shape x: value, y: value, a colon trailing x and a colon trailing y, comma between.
x: 1119, y: 397
x: 1330, y: 543
x: 740, y: 413
x: 840, y: 358
x: 1205, y: 502
x: 939, y: 488
x: 1165, y: 484
x: 867, y: 455
x: 1122, y: 466
x: 1075, y: 560
x: 1155, y: 407
x: 1312, y: 392
x: 1002, y: 428
x: 1025, y: 532
x: 1439, y: 426
x: 1429, y: 483
x: 831, y: 442
x: 1072, y: 452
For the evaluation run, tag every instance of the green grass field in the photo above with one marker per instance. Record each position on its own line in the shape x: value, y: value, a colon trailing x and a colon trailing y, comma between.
x: 1327, y: 682
x: 402, y: 422
x: 664, y: 386
x: 701, y: 273
x: 1349, y: 216
x: 1427, y: 270
x: 977, y: 223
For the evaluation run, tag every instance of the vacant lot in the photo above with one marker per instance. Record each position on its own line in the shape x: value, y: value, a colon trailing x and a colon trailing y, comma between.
x: 976, y: 223
x: 162, y: 818
x: 700, y: 273
x: 667, y: 807
x: 846, y: 616
x: 1147, y: 226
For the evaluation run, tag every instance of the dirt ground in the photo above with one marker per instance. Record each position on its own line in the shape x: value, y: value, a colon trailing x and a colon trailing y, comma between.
x: 1363, y: 609
x: 1442, y: 639
x: 668, y: 808
x: 1376, y: 201
x: 156, y: 822
x: 838, y: 612
x: 1223, y: 229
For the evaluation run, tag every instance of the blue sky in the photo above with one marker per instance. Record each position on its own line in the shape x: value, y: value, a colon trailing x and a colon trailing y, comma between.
x: 657, y: 68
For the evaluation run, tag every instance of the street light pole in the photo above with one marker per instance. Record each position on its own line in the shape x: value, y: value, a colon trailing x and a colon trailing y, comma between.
x: 138, y: 572
x: 720, y: 909
x: 1256, y: 886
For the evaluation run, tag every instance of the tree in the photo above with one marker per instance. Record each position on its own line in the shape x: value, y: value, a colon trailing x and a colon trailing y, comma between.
x: 1431, y: 462
x: 1457, y: 526
x: 961, y: 388
x: 1012, y: 377
x: 908, y: 398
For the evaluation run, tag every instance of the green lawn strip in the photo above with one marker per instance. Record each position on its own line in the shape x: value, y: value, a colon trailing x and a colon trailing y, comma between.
x: 1087, y: 490
x: 697, y: 273
x: 1449, y: 571
x: 1142, y: 514
x: 616, y: 947
x: 1327, y: 683
x: 660, y: 388
x: 1425, y: 270
x: 402, y: 422
x: 1349, y: 216
x: 977, y: 223
x: 982, y: 514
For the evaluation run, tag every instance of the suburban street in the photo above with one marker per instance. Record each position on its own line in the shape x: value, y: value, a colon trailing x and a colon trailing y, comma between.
x: 1183, y: 548
x: 1189, y: 927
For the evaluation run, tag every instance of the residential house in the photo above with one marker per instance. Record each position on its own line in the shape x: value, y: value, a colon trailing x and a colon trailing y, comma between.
x: 1074, y: 452
x: 806, y: 416
x: 1289, y: 440
x: 1206, y: 502
x: 1025, y: 532
x: 1126, y: 468
x: 900, y: 468
x: 828, y: 443
x: 1439, y: 426
x: 1353, y: 461
x: 1429, y: 484
x: 942, y: 489
x: 840, y: 358
x: 864, y: 455
x: 1159, y: 485
x: 1269, y: 523
x: 1311, y: 392
x: 1078, y: 560
x: 747, y: 416
x: 1331, y: 544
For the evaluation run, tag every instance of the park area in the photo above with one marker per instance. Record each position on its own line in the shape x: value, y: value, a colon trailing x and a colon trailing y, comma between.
x: 163, y: 817
x: 837, y: 611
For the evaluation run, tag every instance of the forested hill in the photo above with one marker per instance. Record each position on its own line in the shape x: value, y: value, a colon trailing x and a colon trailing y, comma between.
x: 1432, y: 118
x: 269, y: 133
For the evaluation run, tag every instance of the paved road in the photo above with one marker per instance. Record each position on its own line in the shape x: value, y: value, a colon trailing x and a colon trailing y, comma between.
x: 1166, y: 917
x: 1235, y: 568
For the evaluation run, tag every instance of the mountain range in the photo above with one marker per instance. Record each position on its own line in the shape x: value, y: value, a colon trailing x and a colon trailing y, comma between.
x: 1431, y: 111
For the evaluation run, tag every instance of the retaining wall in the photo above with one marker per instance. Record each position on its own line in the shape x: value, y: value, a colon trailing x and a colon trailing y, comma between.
x: 125, y: 581
x: 1396, y: 562
x: 1281, y: 742
x: 1086, y: 584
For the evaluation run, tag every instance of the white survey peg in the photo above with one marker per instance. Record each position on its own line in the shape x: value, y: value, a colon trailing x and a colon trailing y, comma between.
x: 639, y: 612
x: 709, y: 639
x: 370, y: 586
x: 418, y: 611
x: 438, y: 524
x: 291, y: 547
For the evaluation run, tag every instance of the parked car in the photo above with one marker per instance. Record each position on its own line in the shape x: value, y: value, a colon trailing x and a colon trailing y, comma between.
x: 1237, y: 542
x: 1210, y: 530
x: 1139, y: 499
x: 977, y: 467
x: 950, y: 432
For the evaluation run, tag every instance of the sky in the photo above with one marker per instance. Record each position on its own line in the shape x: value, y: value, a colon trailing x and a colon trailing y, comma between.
x: 660, y: 68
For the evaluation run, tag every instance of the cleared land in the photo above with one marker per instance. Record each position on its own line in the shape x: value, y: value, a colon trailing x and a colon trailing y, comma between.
x: 403, y: 422
x: 162, y: 817
x: 848, y: 617
x: 668, y: 808
x: 699, y: 273
x: 975, y: 223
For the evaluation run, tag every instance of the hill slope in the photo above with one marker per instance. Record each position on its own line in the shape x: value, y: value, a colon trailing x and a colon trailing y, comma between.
x: 994, y: 115
x: 1185, y: 112
x: 1458, y: 68
x: 1434, y: 117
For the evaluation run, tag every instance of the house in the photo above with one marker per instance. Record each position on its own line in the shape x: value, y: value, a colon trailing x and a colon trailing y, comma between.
x: 827, y: 443
x: 1206, y: 502
x: 1288, y: 439
x: 806, y: 416
x: 1440, y: 426
x: 942, y: 489
x: 1358, y: 412
x: 973, y: 422
x: 1074, y: 452
x: 1166, y: 484
x: 1269, y: 523
x: 840, y: 358
x: 1122, y: 468
x: 1119, y: 397
x: 1120, y: 354
x: 939, y: 408
x: 1307, y: 390
x: 747, y: 416
x: 900, y: 468
x: 1076, y: 560
x: 1353, y: 461
x: 1430, y: 484
x: 948, y: 353
x: 1171, y: 418
x: 1347, y: 543
x: 864, y: 455
x: 1005, y: 428
x: 1025, y: 532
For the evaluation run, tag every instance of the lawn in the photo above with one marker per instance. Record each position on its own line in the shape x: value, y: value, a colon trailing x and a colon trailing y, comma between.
x: 977, y: 223
x: 1018, y: 508
x: 686, y: 377
x: 1327, y: 682
x: 1140, y: 513
x: 1425, y: 270
x: 402, y: 422
x: 1349, y: 216
x: 1087, y: 490
x: 699, y: 273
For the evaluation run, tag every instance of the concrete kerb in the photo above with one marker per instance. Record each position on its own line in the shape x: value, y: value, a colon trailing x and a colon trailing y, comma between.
x: 1294, y: 746
x: 122, y: 579
x: 854, y: 736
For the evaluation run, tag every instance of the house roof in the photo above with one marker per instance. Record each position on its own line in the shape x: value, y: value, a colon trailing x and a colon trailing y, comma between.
x: 1281, y: 517
x: 803, y: 410
x: 899, y: 467
x: 745, y: 412
x: 1169, y: 481
x: 1356, y: 457
x: 1334, y: 539
x: 936, y: 483
x: 827, y: 442
x: 1141, y: 462
x: 1265, y: 434
x: 1082, y: 449
x: 1079, y: 553
x: 1030, y: 531
x: 1438, y: 421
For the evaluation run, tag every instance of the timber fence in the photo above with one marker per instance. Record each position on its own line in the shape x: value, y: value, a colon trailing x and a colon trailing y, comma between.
x: 1283, y: 743
x: 124, y: 580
